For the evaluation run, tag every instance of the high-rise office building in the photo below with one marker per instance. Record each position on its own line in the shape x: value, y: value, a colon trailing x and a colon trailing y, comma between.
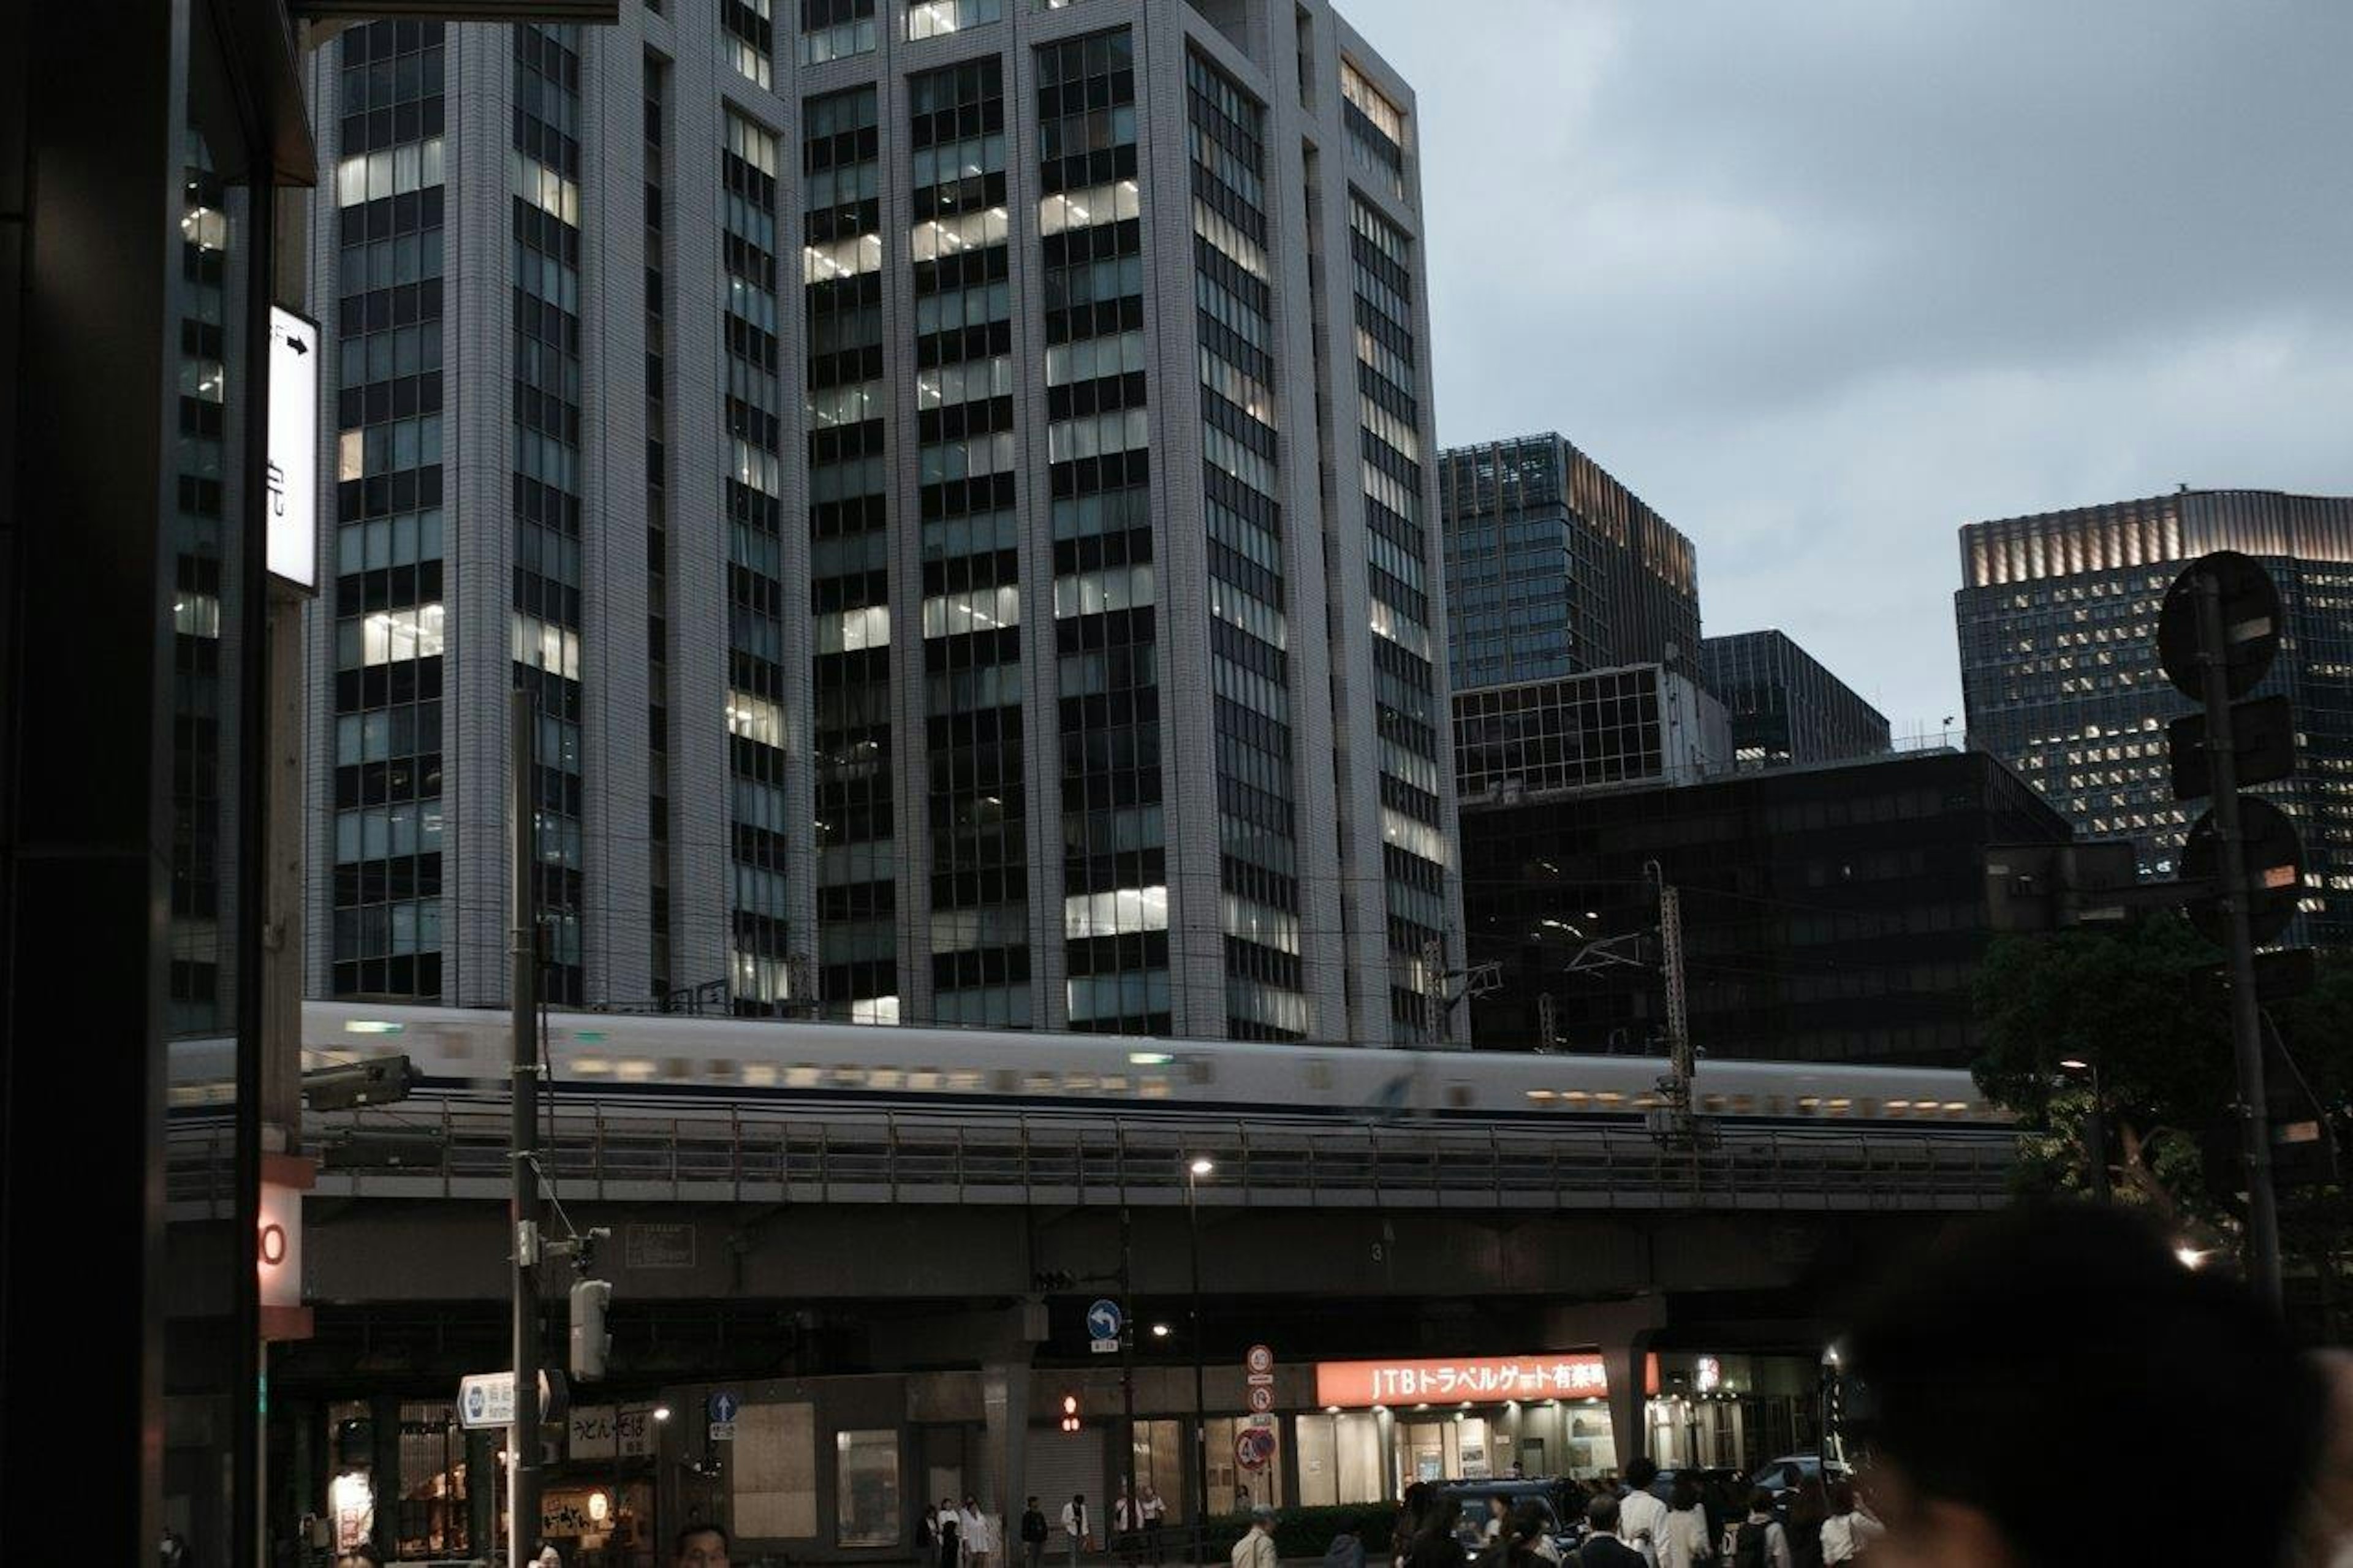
x: 2057, y: 619
x: 1784, y: 706
x: 1553, y: 568
x: 1030, y: 615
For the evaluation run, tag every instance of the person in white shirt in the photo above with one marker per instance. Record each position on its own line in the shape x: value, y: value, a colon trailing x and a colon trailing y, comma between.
x: 1848, y: 1529
x: 979, y: 1540
x: 1155, y: 1511
x: 1682, y: 1540
x: 1257, y: 1549
x: 1642, y: 1518
x: 1074, y: 1525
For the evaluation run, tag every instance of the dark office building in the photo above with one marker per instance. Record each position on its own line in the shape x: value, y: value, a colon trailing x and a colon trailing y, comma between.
x: 2057, y: 619
x: 1641, y: 724
x: 1555, y: 568
x: 1830, y: 912
x: 1784, y: 706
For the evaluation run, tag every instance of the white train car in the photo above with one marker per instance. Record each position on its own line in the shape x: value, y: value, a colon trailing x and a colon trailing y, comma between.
x: 648, y: 1060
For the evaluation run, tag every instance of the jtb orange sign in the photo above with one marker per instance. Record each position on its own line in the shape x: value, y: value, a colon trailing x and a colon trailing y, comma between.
x: 1482, y: 1380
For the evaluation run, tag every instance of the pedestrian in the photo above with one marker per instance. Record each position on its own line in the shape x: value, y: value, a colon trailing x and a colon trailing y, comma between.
x: 1256, y: 1549
x: 1348, y: 1549
x: 1156, y: 1514
x: 1642, y: 1516
x: 1407, y: 1523
x: 1435, y: 1544
x: 979, y: 1540
x: 1126, y: 1525
x: 1684, y: 1539
x: 1807, y: 1512
x: 1033, y: 1535
x: 951, y: 1550
x: 945, y: 1515
x: 1496, y: 1508
x: 2043, y: 1324
x: 1603, y: 1548
x: 702, y: 1546
x: 1241, y: 1498
x: 1848, y: 1529
x: 1760, y: 1541
x: 1074, y: 1525
x: 1534, y: 1524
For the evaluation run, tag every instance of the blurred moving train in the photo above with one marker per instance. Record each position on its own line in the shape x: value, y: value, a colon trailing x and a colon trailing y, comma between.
x: 612, y: 1059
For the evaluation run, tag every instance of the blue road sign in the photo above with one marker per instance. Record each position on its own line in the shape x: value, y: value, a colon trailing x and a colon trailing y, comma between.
x: 723, y: 1406
x: 1102, y: 1320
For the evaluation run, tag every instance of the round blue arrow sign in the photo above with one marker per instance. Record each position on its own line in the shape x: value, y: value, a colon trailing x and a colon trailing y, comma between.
x: 1102, y: 1320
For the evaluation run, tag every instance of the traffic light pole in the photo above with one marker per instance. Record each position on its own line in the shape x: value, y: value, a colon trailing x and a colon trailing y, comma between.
x: 522, y: 1437
x: 1128, y: 1321
x: 2246, y: 1028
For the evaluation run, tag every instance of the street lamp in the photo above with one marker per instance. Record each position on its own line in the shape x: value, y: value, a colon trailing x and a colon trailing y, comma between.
x: 2095, y: 1131
x: 1199, y: 1166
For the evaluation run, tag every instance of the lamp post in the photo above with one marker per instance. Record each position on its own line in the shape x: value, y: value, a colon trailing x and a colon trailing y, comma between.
x: 2095, y: 1131
x: 1194, y: 1169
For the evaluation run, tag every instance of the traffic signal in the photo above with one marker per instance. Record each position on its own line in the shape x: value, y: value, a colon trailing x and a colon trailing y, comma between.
x: 1053, y: 1279
x: 1069, y: 1413
x: 592, y: 1344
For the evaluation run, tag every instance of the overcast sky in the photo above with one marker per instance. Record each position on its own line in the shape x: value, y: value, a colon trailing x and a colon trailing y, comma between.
x: 1823, y: 279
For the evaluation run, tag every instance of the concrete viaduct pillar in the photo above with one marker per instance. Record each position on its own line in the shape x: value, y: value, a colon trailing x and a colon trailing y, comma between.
x: 1622, y: 1330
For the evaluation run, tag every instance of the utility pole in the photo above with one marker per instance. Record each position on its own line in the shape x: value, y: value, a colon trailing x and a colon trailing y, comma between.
x: 1677, y: 1085
x: 522, y: 1437
x: 1128, y: 1322
x: 2246, y: 1028
x: 1433, y: 991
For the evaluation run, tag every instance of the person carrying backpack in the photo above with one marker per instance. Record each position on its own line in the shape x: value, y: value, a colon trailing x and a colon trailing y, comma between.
x: 1347, y: 1548
x: 1760, y: 1541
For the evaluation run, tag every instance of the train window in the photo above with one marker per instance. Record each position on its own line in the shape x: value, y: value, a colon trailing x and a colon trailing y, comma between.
x: 1741, y: 1104
x: 1156, y: 1087
x: 760, y: 1075
x: 801, y: 1075
x: 846, y: 1076
x: 1200, y: 1069
x: 1115, y: 1083
x: 1039, y: 1083
x: 1776, y: 1105
x: 1711, y: 1103
x: 1647, y: 1102
x: 1609, y: 1097
x: 926, y: 1080
x: 1540, y: 1095
x: 591, y: 1066
x: 1898, y: 1107
x: 886, y: 1078
x: 1004, y: 1080
x: 1079, y: 1082
x: 1959, y: 1105
x: 636, y: 1069
x: 676, y: 1068
x: 723, y: 1068
x: 965, y: 1081
x: 1838, y: 1107
x: 1461, y: 1096
x: 1576, y: 1099
x: 459, y: 1047
x: 1809, y: 1105
x: 1319, y: 1073
x: 1866, y: 1107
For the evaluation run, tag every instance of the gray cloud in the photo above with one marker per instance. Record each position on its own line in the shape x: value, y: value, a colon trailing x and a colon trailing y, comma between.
x: 1823, y: 279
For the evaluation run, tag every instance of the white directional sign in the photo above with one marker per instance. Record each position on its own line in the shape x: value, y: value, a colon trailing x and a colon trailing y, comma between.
x: 292, y: 533
x: 487, y: 1399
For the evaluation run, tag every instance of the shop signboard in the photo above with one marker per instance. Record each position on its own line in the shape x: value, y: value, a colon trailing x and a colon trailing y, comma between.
x: 633, y: 1432
x: 1479, y: 1380
x: 593, y: 1433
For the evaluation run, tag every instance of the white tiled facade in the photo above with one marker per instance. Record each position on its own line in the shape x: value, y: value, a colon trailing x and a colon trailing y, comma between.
x: 1188, y: 777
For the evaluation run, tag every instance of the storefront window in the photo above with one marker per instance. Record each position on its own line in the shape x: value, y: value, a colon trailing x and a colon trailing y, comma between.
x: 1160, y: 1463
x: 432, y: 1480
x: 867, y: 1476
x: 776, y: 1472
x: 1340, y: 1460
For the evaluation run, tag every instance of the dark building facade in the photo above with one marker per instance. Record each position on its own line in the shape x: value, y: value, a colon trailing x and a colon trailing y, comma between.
x: 1784, y: 706
x: 1553, y: 568
x: 2057, y: 616
x: 1634, y: 725
x: 1831, y: 913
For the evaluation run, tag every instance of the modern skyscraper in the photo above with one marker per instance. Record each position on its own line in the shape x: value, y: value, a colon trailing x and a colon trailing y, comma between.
x: 2058, y: 633
x: 1553, y: 568
x: 1030, y: 615
x: 1784, y: 706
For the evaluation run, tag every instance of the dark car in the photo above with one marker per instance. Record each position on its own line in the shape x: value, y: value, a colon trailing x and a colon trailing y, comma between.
x: 1722, y: 1492
x: 1562, y: 1501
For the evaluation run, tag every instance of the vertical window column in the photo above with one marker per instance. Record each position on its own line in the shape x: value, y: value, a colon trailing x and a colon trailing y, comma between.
x: 965, y: 458
x: 849, y: 552
x: 1106, y: 626
x: 1410, y: 724
x: 661, y: 696
x: 762, y: 959
x: 387, y: 589
x: 1250, y: 663
x: 545, y: 166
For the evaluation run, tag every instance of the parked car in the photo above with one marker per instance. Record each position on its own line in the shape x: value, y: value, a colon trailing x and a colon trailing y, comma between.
x: 1781, y: 1476
x: 1562, y: 1501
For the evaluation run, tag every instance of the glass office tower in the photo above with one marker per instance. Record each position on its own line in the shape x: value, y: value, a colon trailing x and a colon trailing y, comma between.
x: 1030, y: 615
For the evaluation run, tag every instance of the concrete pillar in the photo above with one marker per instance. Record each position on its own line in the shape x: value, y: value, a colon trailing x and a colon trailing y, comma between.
x: 1004, y: 1403
x: 482, y: 1489
x: 1622, y: 1332
x: 384, y: 1475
